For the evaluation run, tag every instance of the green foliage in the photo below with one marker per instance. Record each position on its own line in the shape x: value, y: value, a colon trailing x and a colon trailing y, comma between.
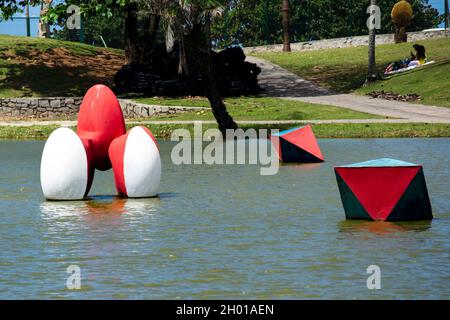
x: 250, y: 22
x: 109, y: 26
x: 246, y: 22
x: 402, y: 13
x: 10, y: 7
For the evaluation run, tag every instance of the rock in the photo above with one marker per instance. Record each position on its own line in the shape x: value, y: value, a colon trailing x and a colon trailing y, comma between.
x: 43, y: 103
x: 55, y: 103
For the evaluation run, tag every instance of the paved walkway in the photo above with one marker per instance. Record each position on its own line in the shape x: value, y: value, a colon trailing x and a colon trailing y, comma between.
x: 279, y: 82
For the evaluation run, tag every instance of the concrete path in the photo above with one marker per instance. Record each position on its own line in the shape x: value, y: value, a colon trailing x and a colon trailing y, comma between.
x: 279, y: 82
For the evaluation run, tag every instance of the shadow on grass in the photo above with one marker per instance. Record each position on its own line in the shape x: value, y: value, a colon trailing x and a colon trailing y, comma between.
x: 42, y: 80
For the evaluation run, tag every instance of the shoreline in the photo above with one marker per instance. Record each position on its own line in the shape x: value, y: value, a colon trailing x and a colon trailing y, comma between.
x: 322, y: 131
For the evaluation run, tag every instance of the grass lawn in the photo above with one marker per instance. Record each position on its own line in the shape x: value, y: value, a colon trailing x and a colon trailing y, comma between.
x: 259, y: 108
x: 431, y: 82
x: 163, y: 131
x: 344, y: 69
x: 46, y: 67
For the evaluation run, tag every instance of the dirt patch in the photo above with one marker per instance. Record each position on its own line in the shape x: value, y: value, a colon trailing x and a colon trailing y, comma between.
x: 57, y: 71
x: 100, y: 67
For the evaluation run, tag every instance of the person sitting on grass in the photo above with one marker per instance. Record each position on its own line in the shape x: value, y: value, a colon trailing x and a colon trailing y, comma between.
x: 416, y: 59
x: 419, y: 58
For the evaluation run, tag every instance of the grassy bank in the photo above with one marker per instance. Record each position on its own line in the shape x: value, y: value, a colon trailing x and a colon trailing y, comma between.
x: 258, y: 108
x: 46, y: 67
x: 345, y: 69
x: 164, y: 131
x: 430, y: 82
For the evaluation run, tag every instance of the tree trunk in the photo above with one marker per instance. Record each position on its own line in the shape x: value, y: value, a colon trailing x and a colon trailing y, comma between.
x: 396, y: 35
x: 198, y: 52
x: 149, y: 35
x: 44, y: 27
x: 400, y: 35
x: 140, y: 34
x: 27, y: 16
x: 372, y: 68
x: 131, y: 30
x: 286, y: 32
x: 446, y: 14
x: 223, y: 118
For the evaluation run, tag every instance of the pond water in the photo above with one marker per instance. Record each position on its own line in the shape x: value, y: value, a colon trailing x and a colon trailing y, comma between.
x: 222, y: 232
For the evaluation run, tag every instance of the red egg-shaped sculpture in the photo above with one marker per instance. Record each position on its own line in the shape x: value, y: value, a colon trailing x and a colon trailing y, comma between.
x: 100, y: 121
x: 136, y: 163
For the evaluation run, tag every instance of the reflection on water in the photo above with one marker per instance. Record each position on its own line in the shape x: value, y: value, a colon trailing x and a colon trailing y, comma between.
x: 302, y: 167
x: 383, y: 227
x: 99, y: 205
x: 222, y: 231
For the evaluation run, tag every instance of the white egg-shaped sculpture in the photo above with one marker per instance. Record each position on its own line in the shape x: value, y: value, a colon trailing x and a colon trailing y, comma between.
x: 64, y: 167
x: 136, y: 163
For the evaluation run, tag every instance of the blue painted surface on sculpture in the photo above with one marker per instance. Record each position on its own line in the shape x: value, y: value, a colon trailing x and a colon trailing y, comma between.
x: 384, y: 162
x: 287, y: 131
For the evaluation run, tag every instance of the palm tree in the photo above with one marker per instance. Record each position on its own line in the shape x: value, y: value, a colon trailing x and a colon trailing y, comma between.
x: 372, y: 70
x: 286, y: 33
x: 189, y: 23
x: 140, y: 31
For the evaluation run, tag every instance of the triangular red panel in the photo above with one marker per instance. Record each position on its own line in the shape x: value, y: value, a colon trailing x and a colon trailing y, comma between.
x: 378, y: 189
x: 277, y: 146
x: 304, y: 138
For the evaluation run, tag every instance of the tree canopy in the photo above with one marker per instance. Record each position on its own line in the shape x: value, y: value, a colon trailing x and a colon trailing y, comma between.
x: 244, y: 22
x: 251, y: 23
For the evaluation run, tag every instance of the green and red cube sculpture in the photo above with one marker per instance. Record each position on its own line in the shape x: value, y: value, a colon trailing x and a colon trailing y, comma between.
x: 298, y: 145
x: 384, y: 189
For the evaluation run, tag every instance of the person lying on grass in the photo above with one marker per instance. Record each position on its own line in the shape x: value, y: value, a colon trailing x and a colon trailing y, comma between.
x: 416, y: 59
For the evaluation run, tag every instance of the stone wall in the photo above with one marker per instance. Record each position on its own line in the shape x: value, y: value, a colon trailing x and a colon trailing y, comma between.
x: 133, y: 109
x: 348, y: 42
x: 36, y: 108
x: 67, y: 108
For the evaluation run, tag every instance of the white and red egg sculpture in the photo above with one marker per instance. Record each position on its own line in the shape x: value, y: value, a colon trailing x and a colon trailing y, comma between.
x: 101, y: 142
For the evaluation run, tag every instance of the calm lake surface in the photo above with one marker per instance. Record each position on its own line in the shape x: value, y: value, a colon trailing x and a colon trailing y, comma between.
x: 222, y: 232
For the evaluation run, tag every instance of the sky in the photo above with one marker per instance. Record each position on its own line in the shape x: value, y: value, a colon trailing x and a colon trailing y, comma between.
x: 18, y: 26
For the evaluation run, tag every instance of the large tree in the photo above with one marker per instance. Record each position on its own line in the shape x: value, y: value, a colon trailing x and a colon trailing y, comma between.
x: 189, y: 23
x: 186, y: 21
